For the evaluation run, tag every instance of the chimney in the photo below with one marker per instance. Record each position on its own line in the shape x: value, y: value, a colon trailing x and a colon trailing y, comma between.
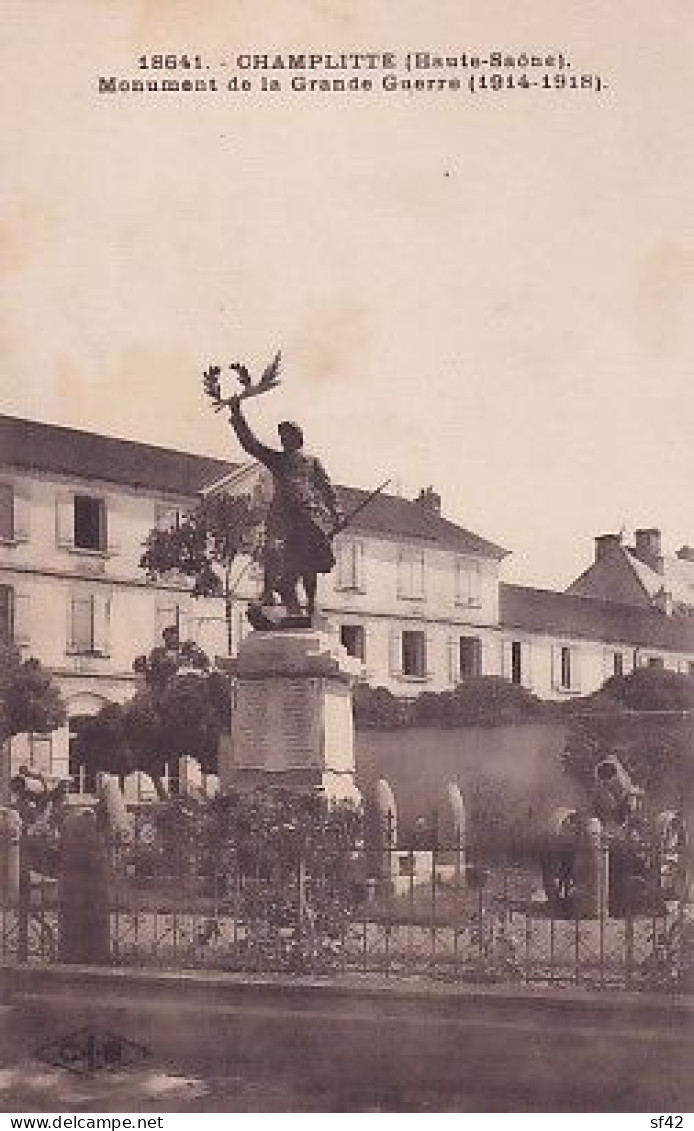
x: 686, y: 553
x: 647, y: 548
x: 605, y: 544
x: 429, y: 500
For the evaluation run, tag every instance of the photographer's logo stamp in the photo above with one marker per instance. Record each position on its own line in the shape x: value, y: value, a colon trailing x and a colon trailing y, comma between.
x: 91, y: 1050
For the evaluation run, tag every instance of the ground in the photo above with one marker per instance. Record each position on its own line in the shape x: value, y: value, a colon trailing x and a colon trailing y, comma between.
x: 288, y: 1047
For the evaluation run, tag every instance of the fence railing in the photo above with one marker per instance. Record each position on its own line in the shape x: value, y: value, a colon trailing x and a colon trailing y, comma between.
x: 177, y: 897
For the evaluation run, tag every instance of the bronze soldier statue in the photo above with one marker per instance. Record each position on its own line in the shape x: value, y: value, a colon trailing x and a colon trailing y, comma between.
x: 303, y: 516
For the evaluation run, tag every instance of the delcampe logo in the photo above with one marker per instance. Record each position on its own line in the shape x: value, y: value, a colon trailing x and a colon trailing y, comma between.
x: 91, y: 1050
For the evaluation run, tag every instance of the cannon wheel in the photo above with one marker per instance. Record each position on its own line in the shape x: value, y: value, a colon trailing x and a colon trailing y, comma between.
x: 672, y: 849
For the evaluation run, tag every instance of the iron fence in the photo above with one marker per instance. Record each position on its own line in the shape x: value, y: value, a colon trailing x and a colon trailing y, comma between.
x: 186, y: 897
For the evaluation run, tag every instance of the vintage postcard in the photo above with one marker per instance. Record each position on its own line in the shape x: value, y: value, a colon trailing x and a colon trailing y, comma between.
x: 346, y: 567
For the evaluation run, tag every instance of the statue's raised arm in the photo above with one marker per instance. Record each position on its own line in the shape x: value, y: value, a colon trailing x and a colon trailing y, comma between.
x: 304, y: 512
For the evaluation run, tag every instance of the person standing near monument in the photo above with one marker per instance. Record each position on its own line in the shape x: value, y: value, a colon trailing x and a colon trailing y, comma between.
x: 303, y: 515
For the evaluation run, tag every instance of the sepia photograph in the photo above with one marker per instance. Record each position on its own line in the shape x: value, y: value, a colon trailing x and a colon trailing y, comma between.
x: 346, y: 560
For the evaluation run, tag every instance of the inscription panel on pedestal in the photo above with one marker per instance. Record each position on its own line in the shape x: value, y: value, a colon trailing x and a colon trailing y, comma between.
x: 277, y: 724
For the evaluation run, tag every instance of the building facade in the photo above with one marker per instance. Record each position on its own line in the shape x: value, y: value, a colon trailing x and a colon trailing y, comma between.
x: 417, y: 598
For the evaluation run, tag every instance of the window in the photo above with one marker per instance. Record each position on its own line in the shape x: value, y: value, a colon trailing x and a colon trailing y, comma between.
x: 6, y: 512
x: 41, y: 753
x: 169, y: 616
x: 89, y: 616
x: 516, y: 662
x: 414, y: 654
x: 411, y: 574
x: 656, y: 662
x: 6, y: 612
x: 468, y: 588
x: 352, y: 637
x: 350, y: 565
x: 470, y: 657
x: 617, y: 663
x: 690, y: 667
x: 566, y: 668
x: 82, y: 778
x: 89, y: 523
x: 167, y: 517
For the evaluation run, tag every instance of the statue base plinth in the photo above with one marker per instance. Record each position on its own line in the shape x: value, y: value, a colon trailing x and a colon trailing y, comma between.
x: 292, y: 724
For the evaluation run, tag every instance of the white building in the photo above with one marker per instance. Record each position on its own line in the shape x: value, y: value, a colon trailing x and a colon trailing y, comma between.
x: 415, y: 596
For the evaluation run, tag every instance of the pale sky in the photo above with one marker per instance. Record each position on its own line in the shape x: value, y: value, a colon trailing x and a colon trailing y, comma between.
x: 491, y: 294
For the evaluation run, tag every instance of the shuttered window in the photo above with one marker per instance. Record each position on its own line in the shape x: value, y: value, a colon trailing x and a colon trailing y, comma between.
x: 89, y: 617
x: 350, y: 565
x: 414, y: 653
x: 411, y: 574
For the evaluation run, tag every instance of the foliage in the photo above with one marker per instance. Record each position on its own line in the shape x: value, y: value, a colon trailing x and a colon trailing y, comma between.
x: 30, y: 700
x: 377, y: 707
x: 646, y: 689
x: 481, y: 701
x: 646, y: 718
x: 282, y: 862
x: 205, y: 544
x: 654, y: 747
x: 180, y: 710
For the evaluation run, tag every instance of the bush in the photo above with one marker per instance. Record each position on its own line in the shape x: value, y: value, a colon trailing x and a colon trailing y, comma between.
x: 481, y: 701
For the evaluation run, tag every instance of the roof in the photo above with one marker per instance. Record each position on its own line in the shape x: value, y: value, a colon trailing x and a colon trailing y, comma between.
x: 563, y: 614
x: 33, y: 446
x: 651, y: 580
x: 390, y: 515
x: 676, y: 579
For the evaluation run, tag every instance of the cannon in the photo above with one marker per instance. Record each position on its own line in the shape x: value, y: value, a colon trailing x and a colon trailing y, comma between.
x: 615, y: 855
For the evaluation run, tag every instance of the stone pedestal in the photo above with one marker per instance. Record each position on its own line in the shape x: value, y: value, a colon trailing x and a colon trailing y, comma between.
x: 292, y: 722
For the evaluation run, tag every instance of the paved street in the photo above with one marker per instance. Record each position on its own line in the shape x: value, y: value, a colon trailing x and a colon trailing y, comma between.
x: 287, y: 1051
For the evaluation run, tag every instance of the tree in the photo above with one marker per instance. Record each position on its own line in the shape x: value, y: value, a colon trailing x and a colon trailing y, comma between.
x: 30, y: 700
x: 205, y: 545
x: 180, y: 710
x: 646, y: 719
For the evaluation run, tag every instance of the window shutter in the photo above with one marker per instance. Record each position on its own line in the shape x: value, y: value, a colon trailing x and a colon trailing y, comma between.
x: 429, y: 654
x: 70, y: 642
x: 340, y: 554
x: 476, y: 591
x: 21, y: 612
x: 506, y: 660
x: 526, y: 669
x: 187, y: 624
x: 359, y: 573
x: 575, y: 669
x: 556, y: 666
x: 395, y: 652
x: 165, y: 616
x: 101, y: 611
x: 22, y: 514
x: 110, y: 541
x: 453, y: 660
x: 65, y: 521
x: 400, y: 575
